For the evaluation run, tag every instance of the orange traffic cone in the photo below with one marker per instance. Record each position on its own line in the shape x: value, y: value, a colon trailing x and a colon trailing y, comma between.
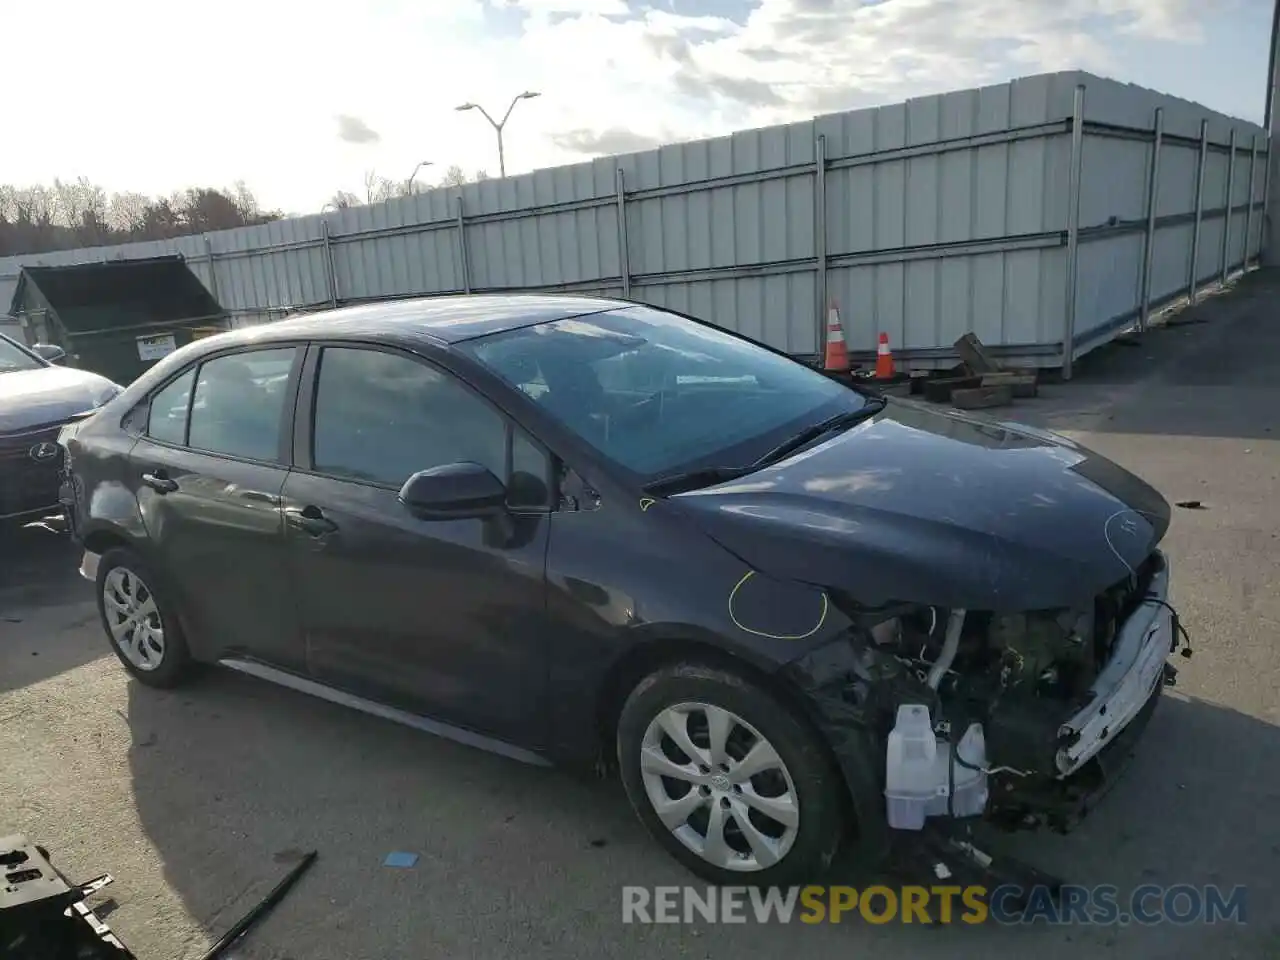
x: 837, y: 358
x: 884, y: 359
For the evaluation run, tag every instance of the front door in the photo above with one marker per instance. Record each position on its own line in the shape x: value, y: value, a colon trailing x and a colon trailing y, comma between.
x: 208, y: 474
x: 443, y: 618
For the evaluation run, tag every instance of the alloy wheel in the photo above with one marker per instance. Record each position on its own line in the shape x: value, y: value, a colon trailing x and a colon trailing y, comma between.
x: 133, y: 618
x: 719, y: 786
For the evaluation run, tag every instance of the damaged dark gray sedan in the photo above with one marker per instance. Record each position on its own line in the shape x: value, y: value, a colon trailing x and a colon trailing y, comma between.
x: 791, y: 615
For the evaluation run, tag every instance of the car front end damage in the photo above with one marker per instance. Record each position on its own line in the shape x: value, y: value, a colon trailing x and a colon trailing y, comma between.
x: 1024, y: 719
x: 30, y: 461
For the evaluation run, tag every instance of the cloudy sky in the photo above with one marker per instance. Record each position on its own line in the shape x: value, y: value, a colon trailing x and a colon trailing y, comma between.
x: 300, y: 99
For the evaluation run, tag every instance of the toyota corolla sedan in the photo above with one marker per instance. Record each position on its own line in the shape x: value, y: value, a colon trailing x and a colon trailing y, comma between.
x: 37, y: 398
x: 791, y: 616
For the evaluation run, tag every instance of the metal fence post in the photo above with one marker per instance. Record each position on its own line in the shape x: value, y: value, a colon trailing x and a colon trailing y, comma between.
x: 624, y: 253
x: 1153, y: 199
x: 1073, y: 232
x: 330, y: 274
x: 820, y: 239
x: 213, y: 268
x: 1226, y: 221
x: 1193, y: 275
x: 1248, y: 212
x: 1263, y: 226
x: 462, y: 248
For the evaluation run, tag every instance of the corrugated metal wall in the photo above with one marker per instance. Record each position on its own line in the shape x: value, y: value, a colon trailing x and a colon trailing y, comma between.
x: 1198, y: 158
x: 925, y: 220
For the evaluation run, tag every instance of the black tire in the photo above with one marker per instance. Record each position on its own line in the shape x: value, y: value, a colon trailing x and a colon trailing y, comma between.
x: 819, y: 790
x: 175, y: 664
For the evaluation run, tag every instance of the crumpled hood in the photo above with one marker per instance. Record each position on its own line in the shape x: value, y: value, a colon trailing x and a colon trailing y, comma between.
x: 920, y: 505
x: 33, y: 398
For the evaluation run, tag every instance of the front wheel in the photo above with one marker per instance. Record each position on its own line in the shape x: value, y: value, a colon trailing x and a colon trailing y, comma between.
x: 141, y: 625
x: 728, y: 779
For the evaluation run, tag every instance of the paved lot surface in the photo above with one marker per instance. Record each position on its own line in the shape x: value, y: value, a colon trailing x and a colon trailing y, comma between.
x: 197, y: 800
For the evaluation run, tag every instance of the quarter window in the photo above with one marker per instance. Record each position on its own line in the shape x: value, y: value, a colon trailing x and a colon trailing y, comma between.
x: 167, y: 416
x: 239, y: 402
x: 382, y: 417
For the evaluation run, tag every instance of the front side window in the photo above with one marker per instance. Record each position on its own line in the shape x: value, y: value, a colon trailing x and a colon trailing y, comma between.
x: 239, y: 402
x: 658, y: 393
x: 382, y: 417
x: 167, y: 413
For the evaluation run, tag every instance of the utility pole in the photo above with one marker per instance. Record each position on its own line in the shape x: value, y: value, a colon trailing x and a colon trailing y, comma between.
x: 1269, y: 233
x: 498, y: 125
x: 408, y: 184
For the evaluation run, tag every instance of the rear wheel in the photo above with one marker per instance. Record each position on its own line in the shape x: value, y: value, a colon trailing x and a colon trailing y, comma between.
x: 728, y: 779
x: 139, y: 622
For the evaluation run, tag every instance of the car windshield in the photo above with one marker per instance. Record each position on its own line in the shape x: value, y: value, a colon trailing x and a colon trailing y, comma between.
x: 660, y: 394
x: 13, y: 357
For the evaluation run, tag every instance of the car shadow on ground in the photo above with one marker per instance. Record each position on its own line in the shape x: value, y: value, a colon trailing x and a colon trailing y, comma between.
x: 42, y: 598
x: 233, y: 777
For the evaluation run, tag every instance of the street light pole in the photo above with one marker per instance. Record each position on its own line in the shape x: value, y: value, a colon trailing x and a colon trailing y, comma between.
x: 408, y: 184
x: 498, y: 125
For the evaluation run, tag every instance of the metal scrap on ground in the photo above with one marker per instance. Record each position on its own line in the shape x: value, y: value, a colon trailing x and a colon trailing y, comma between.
x: 978, y: 381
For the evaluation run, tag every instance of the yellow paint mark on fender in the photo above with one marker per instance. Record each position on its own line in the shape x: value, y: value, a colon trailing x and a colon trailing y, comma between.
x: 822, y: 617
x: 646, y: 503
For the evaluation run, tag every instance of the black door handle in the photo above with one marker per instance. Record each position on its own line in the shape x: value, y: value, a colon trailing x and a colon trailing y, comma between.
x: 159, y: 482
x: 311, y: 520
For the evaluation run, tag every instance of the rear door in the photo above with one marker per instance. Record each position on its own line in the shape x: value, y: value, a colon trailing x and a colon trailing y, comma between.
x: 208, y: 473
x: 443, y: 618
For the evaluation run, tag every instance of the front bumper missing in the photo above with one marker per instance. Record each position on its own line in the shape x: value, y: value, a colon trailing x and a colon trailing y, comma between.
x: 1128, y: 682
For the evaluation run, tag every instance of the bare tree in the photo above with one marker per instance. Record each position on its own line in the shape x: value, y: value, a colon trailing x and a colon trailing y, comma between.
x: 245, y: 202
x: 343, y: 199
x: 79, y: 213
x: 455, y: 176
x: 378, y: 188
x: 127, y: 212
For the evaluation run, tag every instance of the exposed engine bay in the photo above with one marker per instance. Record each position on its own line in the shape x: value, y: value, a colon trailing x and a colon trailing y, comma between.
x: 976, y: 706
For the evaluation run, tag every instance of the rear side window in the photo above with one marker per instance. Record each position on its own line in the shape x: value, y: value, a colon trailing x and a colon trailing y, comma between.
x: 239, y: 402
x: 167, y: 417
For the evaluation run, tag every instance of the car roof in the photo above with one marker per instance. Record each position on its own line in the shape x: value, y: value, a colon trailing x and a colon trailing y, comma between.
x: 445, y: 319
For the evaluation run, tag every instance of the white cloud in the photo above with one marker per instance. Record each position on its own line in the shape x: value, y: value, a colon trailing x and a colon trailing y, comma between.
x: 251, y: 89
x: 600, y: 7
x: 354, y: 130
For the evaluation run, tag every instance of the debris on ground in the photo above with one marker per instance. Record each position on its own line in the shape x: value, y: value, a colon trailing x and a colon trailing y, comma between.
x: 977, y: 382
x: 1191, y: 505
x: 399, y: 859
x: 43, y: 916
x: 264, y: 906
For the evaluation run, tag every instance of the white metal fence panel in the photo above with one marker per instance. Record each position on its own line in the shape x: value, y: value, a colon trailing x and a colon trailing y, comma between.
x: 1020, y: 211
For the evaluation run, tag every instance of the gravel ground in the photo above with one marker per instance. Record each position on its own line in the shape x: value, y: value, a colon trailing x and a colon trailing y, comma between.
x: 197, y: 800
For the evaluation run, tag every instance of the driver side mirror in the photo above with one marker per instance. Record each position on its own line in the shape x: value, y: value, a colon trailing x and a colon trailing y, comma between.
x: 455, y: 491
x: 49, y: 351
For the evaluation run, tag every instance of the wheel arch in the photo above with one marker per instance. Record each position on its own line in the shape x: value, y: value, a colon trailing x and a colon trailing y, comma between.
x: 647, y: 657
x: 104, y: 538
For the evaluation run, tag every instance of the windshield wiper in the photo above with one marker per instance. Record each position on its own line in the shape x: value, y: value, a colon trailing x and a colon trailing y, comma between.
x: 806, y: 436
x: 693, y: 479
x: 706, y: 476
